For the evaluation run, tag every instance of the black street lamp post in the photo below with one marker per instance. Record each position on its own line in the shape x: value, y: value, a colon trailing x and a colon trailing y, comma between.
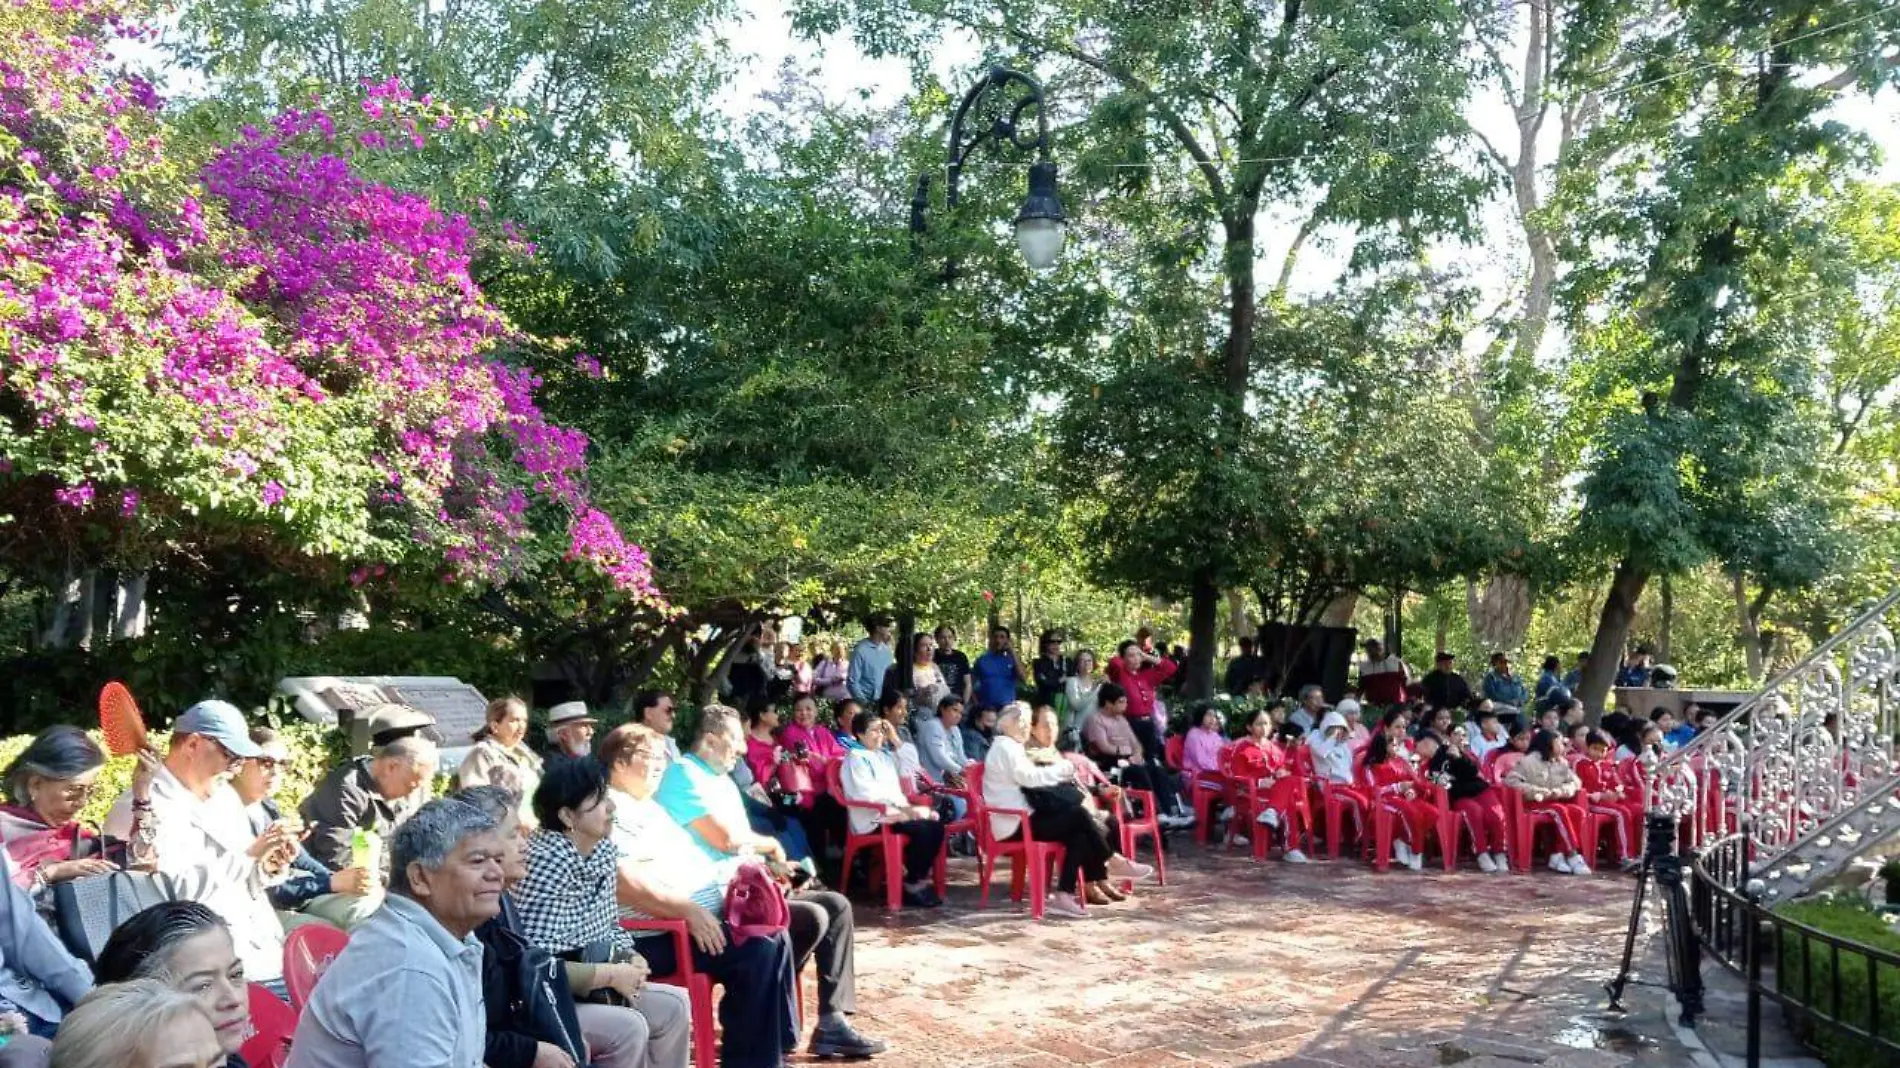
x: 1041, y: 226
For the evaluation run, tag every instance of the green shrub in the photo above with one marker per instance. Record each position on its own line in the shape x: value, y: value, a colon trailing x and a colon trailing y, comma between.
x: 1807, y: 970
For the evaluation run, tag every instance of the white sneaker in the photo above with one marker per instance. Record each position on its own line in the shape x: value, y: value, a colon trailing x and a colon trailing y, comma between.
x: 1064, y: 905
x: 1120, y: 867
x: 1238, y: 839
x: 1503, y: 861
x: 1270, y: 817
x: 1402, y: 853
x: 1294, y: 856
x: 1560, y: 863
x: 1226, y: 813
x: 1579, y: 866
x: 1417, y: 863
x: 1486, y: 864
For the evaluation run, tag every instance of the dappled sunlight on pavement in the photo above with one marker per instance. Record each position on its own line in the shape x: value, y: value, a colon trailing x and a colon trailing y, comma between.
x: 1235, y: 963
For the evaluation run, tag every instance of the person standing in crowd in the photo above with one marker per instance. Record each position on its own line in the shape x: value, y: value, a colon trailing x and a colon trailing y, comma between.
x: 38, y: 978
x: 530, y: 1021
x: 830, y: 676
x: 570, y: 730
x: 337, y: 897
x: 46, y: 787
x: 1549, y: 677
x: 871, y: 778
x: 1112, y: 742
x: 997, y: 672
x: 1383, y: 678
x: 407, y: 990
x: 953, y: 662
x: 797, y: 670
x: 567, y: 906
x: 700, y: 798
x: 140, y: 1024
x: 1573, y: 679
x: 1636, y: 668
x: 1504, y: 689
x: 1050, y: 669
x: 746, y: 673
x: 1244, y: 670
x: 870, y: 659
x: 664, y: 874
x: 1082, y: 689
x: 205, y: 844
x: 501, y: 756
x: 1444, y: 686
x: 927, y: 684
x: 188, y: 948
x: 1140, y: 674
x: 655, y: 708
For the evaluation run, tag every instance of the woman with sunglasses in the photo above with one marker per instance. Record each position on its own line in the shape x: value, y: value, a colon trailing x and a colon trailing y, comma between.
x: 46, y: 787
x: 310, y: 883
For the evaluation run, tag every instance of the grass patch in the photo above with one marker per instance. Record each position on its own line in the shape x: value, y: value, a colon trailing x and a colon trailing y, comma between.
x: 1864, y: 992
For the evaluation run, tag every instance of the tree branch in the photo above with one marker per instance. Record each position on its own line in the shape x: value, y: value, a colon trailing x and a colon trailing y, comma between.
x: 1849, y: 75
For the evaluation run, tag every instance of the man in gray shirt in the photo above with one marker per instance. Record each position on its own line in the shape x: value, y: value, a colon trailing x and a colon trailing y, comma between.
x: 940, y: 743
x: 407, y: 991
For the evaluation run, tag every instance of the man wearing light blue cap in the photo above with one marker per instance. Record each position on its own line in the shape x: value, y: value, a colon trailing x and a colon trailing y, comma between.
x: 204, y: 842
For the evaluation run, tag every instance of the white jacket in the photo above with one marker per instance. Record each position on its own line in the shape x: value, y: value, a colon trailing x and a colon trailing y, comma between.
x: 1332, y: 760
x: 871, y: 777
x: 1006, y: 770
x: 202, y: 847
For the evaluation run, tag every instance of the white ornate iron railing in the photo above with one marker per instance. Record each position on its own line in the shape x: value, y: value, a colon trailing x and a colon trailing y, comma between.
x: 1796, y: 763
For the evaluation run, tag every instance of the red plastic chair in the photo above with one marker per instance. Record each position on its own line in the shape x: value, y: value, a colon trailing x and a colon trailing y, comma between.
x: 966, y: 825
x: 273, y: 1023
x: 1171, y: 751
x: 1209, y: 788
x: 699, y: 987
x: 308, y: 952
x: 1037, y: 859
x: 1444, y: 827
x: 888, y: 845
x: 1249, y: 802
x: 1148, y: 825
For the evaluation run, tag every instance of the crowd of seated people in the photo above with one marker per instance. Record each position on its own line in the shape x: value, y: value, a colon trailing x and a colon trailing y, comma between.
x: 541, y: 915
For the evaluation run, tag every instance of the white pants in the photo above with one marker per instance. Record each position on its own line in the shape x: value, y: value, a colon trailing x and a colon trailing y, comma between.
x: 652, y: 1034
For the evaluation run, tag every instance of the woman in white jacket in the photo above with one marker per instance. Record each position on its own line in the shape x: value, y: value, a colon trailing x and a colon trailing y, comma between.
x: 1007, y: 771
x: 876, y: 796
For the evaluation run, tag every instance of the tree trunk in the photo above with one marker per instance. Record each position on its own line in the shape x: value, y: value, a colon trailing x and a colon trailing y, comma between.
x: 1339, y: 610
x: 906, y: 637
x: 1237, y: 615
x: 1613, y: 628
x: 1203, y: 617
x: 1529, y: 113
x: 129, y: 617
x: 1668, y: 620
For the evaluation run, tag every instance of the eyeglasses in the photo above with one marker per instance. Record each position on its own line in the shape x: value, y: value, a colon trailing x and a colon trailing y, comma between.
x: 269, y: 763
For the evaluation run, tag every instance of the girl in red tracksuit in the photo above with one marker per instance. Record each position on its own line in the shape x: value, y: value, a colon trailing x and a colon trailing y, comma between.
x: 1396, y: 787
x: 1269, y: 762
x: 1606, y: 791
x: 1475, y: 801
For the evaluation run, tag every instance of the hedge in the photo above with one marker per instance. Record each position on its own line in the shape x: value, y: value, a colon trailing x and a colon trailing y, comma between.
x: 1856, y: 921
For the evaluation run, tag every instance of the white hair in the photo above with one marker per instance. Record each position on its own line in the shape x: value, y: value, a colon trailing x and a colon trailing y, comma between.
x: 109, y: 1026
x: 1013, y: 710
x: 412, y: 749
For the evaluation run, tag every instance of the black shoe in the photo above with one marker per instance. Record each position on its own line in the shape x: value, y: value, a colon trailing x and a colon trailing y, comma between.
x: 843, y: 1041
x: 922, y: 899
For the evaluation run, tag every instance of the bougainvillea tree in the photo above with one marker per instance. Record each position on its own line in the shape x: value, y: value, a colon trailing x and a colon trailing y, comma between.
x: 262, y: 340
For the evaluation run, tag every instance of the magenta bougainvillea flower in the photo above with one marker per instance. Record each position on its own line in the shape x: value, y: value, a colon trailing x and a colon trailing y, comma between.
x: 274, y: 339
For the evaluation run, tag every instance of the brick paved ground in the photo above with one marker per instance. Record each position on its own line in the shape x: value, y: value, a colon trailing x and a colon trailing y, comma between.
x: 1241, y: 964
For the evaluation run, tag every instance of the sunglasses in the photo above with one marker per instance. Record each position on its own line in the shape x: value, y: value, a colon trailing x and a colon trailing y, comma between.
x: 269, y: 763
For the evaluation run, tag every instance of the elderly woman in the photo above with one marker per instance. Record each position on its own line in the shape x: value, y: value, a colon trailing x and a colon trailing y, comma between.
x: 46, y: 786
x: 501, y: 756
x: 140, y: 1024
x: 653, y: 1032
x: 1101, y: 796
x: 187, y: 947
x: 871, y: 777
x: 1007, y: 773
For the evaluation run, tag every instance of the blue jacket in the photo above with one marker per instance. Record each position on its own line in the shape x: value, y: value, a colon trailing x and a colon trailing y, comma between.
x: 36, y: 972
x: 1503, y: 691
x: 309, y: 878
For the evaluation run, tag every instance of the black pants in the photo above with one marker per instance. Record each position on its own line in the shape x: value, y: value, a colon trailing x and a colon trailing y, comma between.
x: 1085, y: 844
x: 757, y: 1016
x: 1151, y: 748
x: 922, y: 840
x: 1157, y: 778
x: 822, y: 923
x: 824, y: 827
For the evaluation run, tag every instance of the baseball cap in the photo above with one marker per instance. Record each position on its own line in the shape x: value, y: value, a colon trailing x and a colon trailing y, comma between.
x: 221, y: 722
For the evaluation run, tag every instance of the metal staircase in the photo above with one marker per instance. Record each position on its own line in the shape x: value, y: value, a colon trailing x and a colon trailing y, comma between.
x: 1805, y: 770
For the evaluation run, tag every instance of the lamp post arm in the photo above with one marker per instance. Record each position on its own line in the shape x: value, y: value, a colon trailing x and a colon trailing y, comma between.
x: 1006, y: 129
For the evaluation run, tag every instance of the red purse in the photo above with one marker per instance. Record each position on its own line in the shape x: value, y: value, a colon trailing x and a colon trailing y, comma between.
x: 794, y: 777
x: 755, y: 905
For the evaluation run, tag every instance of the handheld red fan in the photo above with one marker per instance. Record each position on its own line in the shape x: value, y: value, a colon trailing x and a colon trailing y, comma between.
x: 121, y: 720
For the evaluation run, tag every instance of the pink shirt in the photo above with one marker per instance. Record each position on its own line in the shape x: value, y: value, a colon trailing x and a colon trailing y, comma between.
x: 1201, y: 751
x: 823, y: 744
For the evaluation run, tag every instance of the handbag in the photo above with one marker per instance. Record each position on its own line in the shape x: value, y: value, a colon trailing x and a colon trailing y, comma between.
x: 794, y: 777
x: 87, y: 910
x: 1055, y: 798
x: 755, y: 906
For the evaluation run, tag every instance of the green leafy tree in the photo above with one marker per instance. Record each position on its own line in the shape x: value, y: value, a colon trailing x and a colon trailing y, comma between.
x: 1699, y: 385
